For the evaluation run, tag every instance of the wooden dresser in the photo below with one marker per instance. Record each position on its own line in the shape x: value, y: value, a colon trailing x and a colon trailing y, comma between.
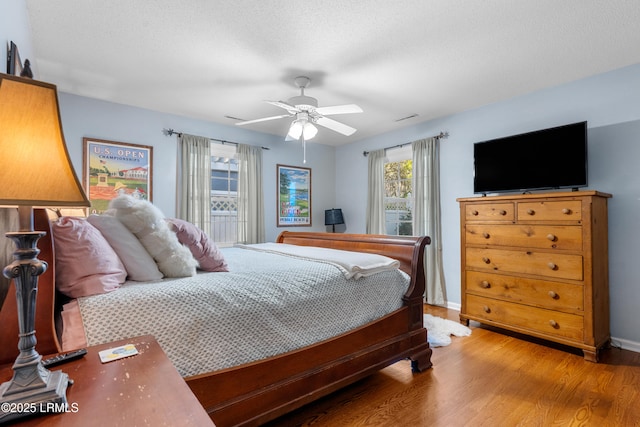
x: 537, y: 264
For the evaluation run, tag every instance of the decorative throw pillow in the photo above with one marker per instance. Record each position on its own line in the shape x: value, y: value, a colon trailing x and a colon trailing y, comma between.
x: 85, y: 262
x: 147, y: 222
x: 203, y: 249
x: 139, y: 264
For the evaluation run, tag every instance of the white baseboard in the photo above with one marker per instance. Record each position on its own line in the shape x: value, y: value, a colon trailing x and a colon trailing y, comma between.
x: 453, y: 306
x: 615, y: 342
x: 625, y: 344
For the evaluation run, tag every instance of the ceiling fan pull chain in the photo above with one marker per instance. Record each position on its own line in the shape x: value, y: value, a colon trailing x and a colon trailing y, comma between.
x: 304, y: 150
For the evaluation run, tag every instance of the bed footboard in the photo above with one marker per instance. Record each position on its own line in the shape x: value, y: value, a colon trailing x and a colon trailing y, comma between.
x: 258, y: 392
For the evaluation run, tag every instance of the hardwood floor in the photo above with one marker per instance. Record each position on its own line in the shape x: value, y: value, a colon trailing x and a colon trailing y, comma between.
x: 491, y: 378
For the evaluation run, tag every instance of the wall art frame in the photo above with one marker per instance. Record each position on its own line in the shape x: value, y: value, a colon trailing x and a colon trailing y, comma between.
x: 14, y: 64
x: 293, y: 196
x: 113, y: 168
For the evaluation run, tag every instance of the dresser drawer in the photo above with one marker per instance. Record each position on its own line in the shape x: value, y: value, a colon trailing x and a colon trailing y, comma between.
x: 540, y: 320
x: 569, y: 210
x: 560, y: 266
x: 490, y: 212
x: 541, y: 293
x: 531, y: 236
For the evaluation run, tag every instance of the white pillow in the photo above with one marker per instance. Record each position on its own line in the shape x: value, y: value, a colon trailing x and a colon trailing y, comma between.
x: 139, y: 264
x: 147, y: 222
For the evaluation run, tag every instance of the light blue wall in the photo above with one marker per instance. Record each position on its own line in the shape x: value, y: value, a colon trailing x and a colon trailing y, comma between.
x: 85, y: 117
x: 609, y: 102
x: 14, y: 26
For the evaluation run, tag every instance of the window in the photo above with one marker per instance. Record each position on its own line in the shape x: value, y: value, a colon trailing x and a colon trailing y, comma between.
x: 224, y: 194
x: 398, y: 193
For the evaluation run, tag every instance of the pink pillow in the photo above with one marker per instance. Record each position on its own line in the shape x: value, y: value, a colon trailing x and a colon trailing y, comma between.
x: 204, y: 250
x: 85, y: 263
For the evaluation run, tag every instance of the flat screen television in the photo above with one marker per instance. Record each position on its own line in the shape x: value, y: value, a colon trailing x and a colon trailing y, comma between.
x: 544, y: 159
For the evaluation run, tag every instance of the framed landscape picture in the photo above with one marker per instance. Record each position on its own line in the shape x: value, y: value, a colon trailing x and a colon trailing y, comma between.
x: 113, y: 168
x: 294, y: 196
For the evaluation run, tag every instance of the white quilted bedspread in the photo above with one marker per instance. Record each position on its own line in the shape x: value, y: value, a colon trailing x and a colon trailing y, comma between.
x: 266, y: 305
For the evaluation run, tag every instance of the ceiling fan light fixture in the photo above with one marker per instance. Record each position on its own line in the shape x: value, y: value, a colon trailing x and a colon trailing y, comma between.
x: 302, y: 127
x: 309, y: 131
x: 306, y: 113
x: 295, y: 131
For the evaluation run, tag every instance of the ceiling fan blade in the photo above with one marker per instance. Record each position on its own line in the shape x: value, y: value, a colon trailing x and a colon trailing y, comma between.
x: 336, y: 126
x: 264, y: 119
x: 290, y: 108
x: 339, y: 109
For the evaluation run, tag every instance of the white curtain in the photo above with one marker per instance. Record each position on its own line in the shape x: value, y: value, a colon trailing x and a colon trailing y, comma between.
x: 195, y: 181
x: 375, y: 195
x: 250, y: 198
x: 426, y: 216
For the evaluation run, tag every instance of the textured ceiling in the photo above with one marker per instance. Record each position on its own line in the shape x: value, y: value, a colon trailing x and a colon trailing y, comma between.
x: 210, y: 59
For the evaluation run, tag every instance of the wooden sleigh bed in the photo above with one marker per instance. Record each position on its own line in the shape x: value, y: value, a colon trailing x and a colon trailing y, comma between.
x: 256, y: 392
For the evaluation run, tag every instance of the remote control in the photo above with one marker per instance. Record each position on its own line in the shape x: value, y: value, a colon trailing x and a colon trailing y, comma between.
x: 63, y: 358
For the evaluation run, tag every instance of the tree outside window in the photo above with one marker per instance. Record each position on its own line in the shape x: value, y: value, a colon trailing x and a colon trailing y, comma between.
x: 398, y: 198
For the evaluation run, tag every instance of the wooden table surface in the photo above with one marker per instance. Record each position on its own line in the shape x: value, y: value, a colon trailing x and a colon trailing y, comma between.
x: 140, y: 390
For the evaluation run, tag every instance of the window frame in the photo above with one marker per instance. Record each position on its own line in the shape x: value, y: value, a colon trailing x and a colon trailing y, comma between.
x: 224, y: 222
x: 394, y: 227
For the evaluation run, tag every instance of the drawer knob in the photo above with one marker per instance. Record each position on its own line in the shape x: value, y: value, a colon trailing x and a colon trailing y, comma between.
x: 486, y: 260
x: 553, y: 295
x: 566, y: 211
x: 485, y: 284
x: 553, y: 324
x: 485, y: 235
x: 486, y: 309
x: 552, y: 237
x: 503, y: 212
x: 530, y: 212
x: 474, y: 212
x: 552, y: 266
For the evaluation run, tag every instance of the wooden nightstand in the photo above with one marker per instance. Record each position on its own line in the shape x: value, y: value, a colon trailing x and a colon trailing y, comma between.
x: 141, y: 390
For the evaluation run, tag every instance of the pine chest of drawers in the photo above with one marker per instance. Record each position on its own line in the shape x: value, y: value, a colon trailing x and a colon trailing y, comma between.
x: 537, y: 264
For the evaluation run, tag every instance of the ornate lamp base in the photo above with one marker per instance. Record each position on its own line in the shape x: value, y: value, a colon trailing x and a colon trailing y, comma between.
x: 22, y: 400
x: 33, y: 388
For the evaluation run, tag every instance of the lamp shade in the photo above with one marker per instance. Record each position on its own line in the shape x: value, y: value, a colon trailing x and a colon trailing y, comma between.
x: 35, y: 169
x: 333, y: 217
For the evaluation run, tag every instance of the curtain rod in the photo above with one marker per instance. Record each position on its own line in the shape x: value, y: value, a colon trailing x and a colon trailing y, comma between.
x: 439, y: 136
x: 169, y: 132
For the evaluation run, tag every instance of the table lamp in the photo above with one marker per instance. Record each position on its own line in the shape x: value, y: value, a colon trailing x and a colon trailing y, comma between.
x: 333, y: 217
x: 35, y: 171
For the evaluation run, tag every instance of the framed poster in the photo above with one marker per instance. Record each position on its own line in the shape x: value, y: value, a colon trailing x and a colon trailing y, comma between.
x: 14, y: 64
x: 113, y: 168
x: 294, y: 196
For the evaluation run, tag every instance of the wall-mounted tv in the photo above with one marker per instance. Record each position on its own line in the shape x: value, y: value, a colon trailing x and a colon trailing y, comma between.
x: 544, y: 159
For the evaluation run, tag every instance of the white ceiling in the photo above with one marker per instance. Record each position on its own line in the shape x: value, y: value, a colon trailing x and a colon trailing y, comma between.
x: 394, y: 58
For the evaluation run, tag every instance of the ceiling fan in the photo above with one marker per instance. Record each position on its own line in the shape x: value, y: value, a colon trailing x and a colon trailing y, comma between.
x: 306, y: 113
